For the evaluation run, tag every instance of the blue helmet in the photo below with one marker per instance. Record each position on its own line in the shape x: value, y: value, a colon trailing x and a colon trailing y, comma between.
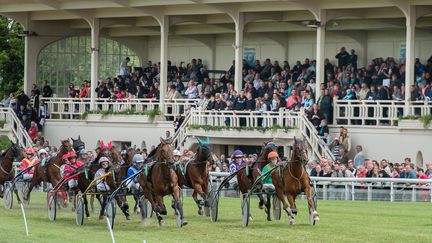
x: 237, y: 154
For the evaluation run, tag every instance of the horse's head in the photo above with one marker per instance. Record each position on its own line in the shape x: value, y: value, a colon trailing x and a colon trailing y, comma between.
x: 166, y: 151
x: 65, y: 147
x: 105, y: 149
x: 115, y: 155
x: 204, y: 151
x: 16, y: 150
x: 78, y: 144
x: 300, y: 152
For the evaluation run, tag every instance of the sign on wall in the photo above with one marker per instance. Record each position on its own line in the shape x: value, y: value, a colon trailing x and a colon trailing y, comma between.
x: 249, y: 55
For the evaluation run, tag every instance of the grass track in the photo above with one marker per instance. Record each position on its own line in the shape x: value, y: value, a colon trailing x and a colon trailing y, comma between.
x: 341, y: 221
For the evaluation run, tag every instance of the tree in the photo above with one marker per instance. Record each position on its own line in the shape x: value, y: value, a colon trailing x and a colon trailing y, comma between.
x: 11, y: 56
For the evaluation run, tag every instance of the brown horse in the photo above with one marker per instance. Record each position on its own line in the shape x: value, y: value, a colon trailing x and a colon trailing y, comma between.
x: 291, y: 179
x: 196, y: 174
x: 7, y: 173
x: 50, y: 171
x: 246, y: 177
x: 162, y: 180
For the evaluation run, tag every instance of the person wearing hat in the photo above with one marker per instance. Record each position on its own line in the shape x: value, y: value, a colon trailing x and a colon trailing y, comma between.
x: 138, y: 161
x: 237, y: 161
x: 178, y: 163
x: 42, y: 156
x: 268, y: 182
x: 71, y: 168
x: 83, y: 156
x: 104, y: 164
x: 28, y: 161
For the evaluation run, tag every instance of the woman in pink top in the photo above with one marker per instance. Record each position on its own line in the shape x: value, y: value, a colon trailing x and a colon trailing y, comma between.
x: 292, y: 99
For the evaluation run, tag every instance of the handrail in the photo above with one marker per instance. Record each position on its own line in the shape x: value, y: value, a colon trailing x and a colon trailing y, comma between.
x: 17, y: 129
x: 181, y: 135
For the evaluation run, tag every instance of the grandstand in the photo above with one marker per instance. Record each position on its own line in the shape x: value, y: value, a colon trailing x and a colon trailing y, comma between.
x: 70, y: 41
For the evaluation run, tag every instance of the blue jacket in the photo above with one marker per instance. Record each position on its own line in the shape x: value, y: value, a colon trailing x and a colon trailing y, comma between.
x: 131, y: 171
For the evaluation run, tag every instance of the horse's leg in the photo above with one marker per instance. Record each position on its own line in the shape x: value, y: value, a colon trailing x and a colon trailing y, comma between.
x: 102, y: 200
x: 198, y: 202
x: 124, y: 206
x: 312, y: 209
x: 178, y: 205
x: 268, y: 206
x: 86, y: 207
x: 290, y: 198
x: 262, y: 201
x: 159, y: 209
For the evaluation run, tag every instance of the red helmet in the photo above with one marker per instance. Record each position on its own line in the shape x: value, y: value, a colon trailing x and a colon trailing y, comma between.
x: 65, y: 156
x: 30, y: 151
x: 72, y: 154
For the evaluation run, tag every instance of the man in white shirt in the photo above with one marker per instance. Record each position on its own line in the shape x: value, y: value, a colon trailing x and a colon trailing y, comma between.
x: 123, y: 67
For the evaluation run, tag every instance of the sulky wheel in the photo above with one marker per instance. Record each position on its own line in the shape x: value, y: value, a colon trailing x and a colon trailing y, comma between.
x: 246, y: 211
x: 214, y: 204
x: 52, y: 203
x: 80, y: 211
x: 276, y: 208
x: 110, y: 212
x: 8, y: 195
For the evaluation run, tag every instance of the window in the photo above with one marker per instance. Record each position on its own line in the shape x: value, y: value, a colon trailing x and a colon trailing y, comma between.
x: 69, y: 61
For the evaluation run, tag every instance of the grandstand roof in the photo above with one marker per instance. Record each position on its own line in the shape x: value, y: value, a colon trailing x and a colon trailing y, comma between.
x: 188, y: 17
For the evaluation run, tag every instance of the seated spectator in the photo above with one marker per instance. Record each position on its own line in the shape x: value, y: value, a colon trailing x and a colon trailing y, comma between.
x: 191, y: 91
x: 323, y: 128
x: 32, y: 132
x: 292, y: 100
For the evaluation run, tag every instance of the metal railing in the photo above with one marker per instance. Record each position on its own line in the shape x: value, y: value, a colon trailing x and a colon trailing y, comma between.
x: 376, y: 112
x: 180, y: 136
x: 17, y: 128
x: 366, y: 189
x: 73, y: 108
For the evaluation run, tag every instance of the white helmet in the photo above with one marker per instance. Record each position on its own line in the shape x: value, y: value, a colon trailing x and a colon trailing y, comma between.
x: 42, y: 151
x: 177, y: 153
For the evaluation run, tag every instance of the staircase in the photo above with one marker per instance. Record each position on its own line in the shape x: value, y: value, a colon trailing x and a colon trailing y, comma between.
x: 318, y: 150
x: 13, y: 128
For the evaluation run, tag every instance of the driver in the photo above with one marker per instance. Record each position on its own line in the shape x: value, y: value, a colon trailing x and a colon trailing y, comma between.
x: 138, y: 161
x: 42, y: 156
x: 72, y: 166
x: 237, y: 161
x: 268, y: 182
x: 30, y: 160
x: 104, y: 163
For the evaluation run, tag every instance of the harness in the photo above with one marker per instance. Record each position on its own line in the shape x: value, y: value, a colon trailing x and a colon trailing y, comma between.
x: 4, y: 171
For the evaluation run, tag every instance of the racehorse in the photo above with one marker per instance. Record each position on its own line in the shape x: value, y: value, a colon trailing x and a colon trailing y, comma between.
x: 78, y: 144
x: 291, y: 179
x: 247, y: 176
x: 7, y: 173
x: 50, y: 171
x: 195, y: 174
x: 161, y: 180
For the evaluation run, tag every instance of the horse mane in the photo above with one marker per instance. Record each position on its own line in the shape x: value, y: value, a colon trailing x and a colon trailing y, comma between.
x: 153, y: 152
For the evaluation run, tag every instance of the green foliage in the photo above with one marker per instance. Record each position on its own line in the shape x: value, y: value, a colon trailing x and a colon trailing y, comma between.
x: 11, y: 56
x: 206, y: 128
x: 4, y: 142
x: 150, y: 113
x: 426, y: 120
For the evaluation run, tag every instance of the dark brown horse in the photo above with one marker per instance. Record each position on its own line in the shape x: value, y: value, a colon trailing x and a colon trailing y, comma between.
x: 196, y: 174
x: 50, y: 171
x: 162, y: 180
x: 7, y: 173
x: 291, y: 179
x: 246, y: 177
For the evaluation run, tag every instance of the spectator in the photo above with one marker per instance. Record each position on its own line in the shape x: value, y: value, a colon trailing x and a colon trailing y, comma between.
x: 343, y: 58
x: 32, y: 131
x: 46, y: 90
x: 191, y: 91
x: 353, y: 59
x: 123, y: 67
x: 359, y: 157
x: 408, y: 173
x: 335, y: 147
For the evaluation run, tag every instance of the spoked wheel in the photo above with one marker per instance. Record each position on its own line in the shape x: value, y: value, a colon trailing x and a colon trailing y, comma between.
x: 24, y: 191
x: 246, y: 211
x: 214, y: 204
x: 80, y: 211
x: 8, y: 195
x: 110, y: 212
x: 276, y: 208
x: 145, y: 208
x: 52, y: 203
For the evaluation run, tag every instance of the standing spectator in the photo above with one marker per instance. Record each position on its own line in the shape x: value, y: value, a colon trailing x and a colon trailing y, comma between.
x: 343, y: 156
x: 359, y: 157
x: 168, y: 137
x: 325, y: 103
x: 353, y: 59
x: 345, y: 140
x: 335, y: 147
x: 46, y: 90
x: 343, y: 58
x: 32, y: 132
x: 25, y: 122
x: 123, y: 67
x: 408, y: 173
x: 428, y: 169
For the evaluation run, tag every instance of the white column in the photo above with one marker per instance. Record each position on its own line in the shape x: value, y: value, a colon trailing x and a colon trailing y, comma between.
x: 409, y: 59
x: 164, y: 24
x: 319, y: 60
x: 94, y: 61
x: 27, y: 86
x: 239, y: 27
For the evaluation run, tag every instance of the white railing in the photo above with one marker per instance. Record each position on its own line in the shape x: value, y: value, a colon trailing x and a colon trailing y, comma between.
x: 370, y: 189
x: 181, y: 133
x: 15, y: 125
x: 376, y: 112
x: 310, y: 134
x: 72, y: 108
x: 268, y: 119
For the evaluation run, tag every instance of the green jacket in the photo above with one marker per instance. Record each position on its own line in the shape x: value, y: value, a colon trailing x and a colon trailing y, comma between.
x: 266, y: 168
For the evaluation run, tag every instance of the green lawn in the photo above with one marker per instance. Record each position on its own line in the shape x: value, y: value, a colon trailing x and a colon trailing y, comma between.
x: 341, y: 221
